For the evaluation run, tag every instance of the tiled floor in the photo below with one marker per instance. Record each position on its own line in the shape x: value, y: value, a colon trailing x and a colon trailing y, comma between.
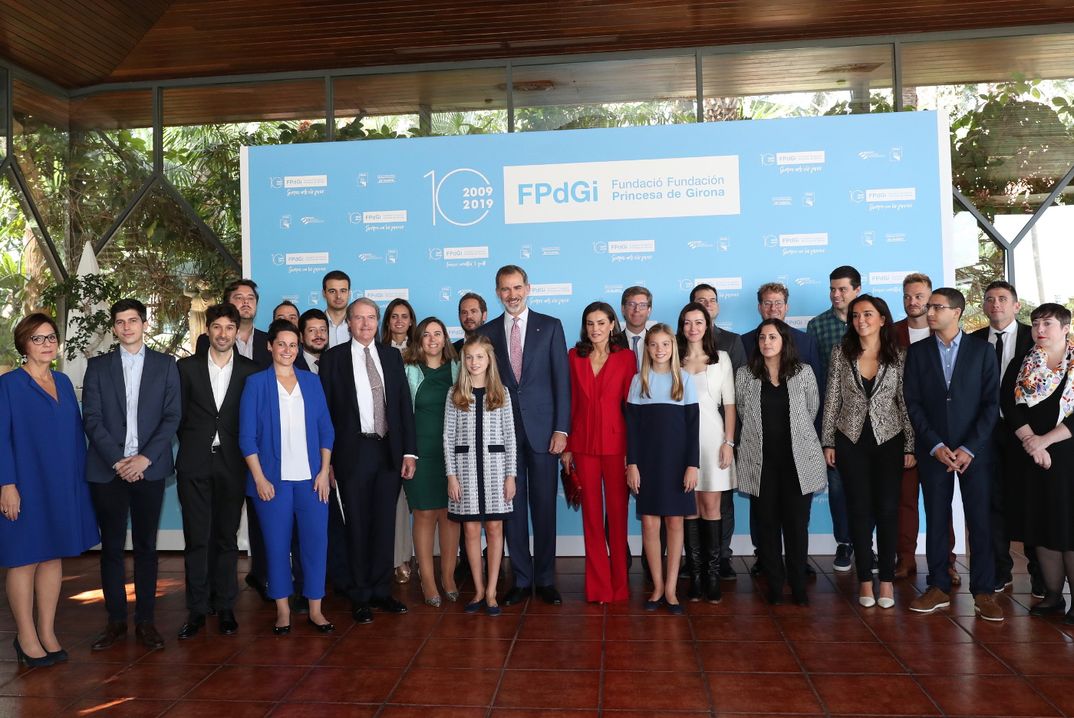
x: 738, y: 657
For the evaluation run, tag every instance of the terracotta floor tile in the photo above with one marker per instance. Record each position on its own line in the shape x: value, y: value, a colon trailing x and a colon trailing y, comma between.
x: 355, y: 649
x: 579, y: 628
x: 230, y: 709
x: 1019, y: 629
x: 434, y: 711
x: 68, y: 680
x: 549, y: 689
x: 1045, y: 659
x: 463, y: 653
x: 762, y: 693
x: 148, y: 680
x: 1058, y: 689
x: 25, y: 707
x: 345, y: 685
x: 115, y: 708
x: 986, y: 695
x: 447, y: 686
x: 547, y: 713
x: 479, y: 625
x: 930, y: 628
x: 736, y: 628
x: 386, y: 625
x: 323, y: 710
x: 289, y: 650
x: 203, y: 649
x: 825, y: 629
x: 556, y: 655
x: 747, y: 657
x: 649, y: 656
x: 251, y: 683
x: 847, y: 658
x: 947, y: 659
x: 872, y: 695
x: 637, y: 691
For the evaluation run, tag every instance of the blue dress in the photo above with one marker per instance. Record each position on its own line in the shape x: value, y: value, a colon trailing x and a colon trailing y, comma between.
x: 43, y: 452
x: 663, y: 440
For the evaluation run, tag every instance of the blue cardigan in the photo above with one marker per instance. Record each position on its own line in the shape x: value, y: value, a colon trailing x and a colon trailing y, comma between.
x: 259, y: 423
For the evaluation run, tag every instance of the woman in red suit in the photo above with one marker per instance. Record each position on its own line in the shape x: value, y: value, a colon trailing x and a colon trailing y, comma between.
x: 601, y: 370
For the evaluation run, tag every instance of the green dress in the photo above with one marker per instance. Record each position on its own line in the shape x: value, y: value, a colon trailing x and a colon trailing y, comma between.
x: 428, y: 489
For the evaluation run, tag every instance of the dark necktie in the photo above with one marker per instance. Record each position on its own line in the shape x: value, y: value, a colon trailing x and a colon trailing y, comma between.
x: 999, y: 349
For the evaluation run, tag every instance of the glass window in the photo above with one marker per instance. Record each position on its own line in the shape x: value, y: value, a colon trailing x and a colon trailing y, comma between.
x: 612, y: 93
x: 1043, y: 258
x: 160, y: 256
x: 453, y: 102
x: 24, y: 273
x: 978, y: 261
x: 204, y: 127
x: 111, y: 158
x: 40, y: 145
x: 802, y: 82
x: 3, y: 113
x: 1010, y: 105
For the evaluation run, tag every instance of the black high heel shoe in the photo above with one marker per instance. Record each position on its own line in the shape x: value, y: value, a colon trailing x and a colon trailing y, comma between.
x: 59, y: 656
x: 45, y: 660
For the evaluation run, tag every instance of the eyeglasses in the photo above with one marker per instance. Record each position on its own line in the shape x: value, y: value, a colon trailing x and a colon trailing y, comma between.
x: 637, y: 305
x: 936, y: 307
x: 40, y: 339
x: 773, y: 305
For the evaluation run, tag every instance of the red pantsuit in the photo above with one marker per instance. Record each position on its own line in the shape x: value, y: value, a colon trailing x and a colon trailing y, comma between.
x: 597, y: 442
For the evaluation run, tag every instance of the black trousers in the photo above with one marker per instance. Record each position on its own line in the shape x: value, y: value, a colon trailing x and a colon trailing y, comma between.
x: 782, y: 518
x: 727, y: 528
x: 872, y: 481
x: 212, y: 510
x: 370, y: 490
x: 338, y: 566
x: 114, y: 502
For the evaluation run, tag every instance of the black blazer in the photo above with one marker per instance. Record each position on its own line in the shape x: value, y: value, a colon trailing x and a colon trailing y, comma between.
x: 201, y: 419
x: 965, y: 414
x: 262, y: 356
x: 1022, y: 344
x: 337, y: 378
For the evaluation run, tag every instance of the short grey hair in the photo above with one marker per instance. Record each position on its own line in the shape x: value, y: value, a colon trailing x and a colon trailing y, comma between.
x: 363, y: 300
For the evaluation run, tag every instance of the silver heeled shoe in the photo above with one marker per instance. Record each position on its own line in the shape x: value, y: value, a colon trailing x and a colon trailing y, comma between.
x: 433, y: 601
x: 452, y: 596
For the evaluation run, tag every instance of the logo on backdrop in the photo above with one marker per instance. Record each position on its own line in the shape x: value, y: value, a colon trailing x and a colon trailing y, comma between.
x: 802, y: 162
x: 462, y: 197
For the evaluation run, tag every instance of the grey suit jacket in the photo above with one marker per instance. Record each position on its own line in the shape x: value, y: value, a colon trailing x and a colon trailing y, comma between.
x: 808, y: 457
x: 845, y: 405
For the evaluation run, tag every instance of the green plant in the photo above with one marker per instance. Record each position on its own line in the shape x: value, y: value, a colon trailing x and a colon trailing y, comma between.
x: 87, y: 294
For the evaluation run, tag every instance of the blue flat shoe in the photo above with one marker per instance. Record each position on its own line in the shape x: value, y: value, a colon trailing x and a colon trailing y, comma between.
x: 474, y: 606
x: 493, y: 610
x: 653, y: 605
x: 675, y: 609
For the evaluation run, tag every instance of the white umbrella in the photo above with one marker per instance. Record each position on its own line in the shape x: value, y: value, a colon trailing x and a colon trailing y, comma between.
x: 76, y: 368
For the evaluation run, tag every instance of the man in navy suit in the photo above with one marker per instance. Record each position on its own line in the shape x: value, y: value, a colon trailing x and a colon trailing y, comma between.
x: 131, y: 409
x: 951, y: 385
x: 375, y: 448
x: 531, y: 355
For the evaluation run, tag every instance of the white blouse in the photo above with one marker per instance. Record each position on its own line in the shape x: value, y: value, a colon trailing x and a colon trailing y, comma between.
x: 294, y: 459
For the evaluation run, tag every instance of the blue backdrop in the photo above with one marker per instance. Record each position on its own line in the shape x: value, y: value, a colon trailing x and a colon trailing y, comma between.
x: 590, y: 212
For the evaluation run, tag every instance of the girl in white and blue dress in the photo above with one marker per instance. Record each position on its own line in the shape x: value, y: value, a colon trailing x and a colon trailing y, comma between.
x: 479, y: 455
x: 662, y: 457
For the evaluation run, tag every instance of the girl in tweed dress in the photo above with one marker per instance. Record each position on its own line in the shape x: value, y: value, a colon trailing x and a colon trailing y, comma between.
x: 479, y: 454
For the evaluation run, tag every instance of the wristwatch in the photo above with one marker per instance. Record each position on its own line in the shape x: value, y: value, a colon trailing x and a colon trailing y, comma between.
x: 729, y: 443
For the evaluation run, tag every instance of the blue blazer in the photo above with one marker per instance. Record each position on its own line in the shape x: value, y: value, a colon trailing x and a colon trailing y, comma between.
x: 104, y: 414
x: 963, y: 415
x: 259, y: 423
x: 542, y: 399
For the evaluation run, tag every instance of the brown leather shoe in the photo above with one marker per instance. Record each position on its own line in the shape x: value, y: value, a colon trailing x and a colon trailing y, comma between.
x: 905, y: 569
x: 149, y: 636
x: 985, y: 606
x: 956, y: 578
x: 111, y: 633
x: 929, y: 601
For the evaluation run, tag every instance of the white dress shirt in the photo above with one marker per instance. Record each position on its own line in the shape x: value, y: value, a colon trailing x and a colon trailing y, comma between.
x: 312, y: 361
x: 640, y: 350
x: 917, y: 335
x: 294, y: 459
x: 362, y: 388
x: 246, y: 348
x: 338, y: 333
x: 132, y: 386
x: 219, y: 379
x: 1010, y: 338
x: 509, y: 321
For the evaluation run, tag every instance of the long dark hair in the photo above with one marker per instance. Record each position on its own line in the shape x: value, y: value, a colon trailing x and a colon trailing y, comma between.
x: 708, y: 339
x: 789, y: 361
x: 889, y: 351
x: 616, y: 341
x: 386, y: 325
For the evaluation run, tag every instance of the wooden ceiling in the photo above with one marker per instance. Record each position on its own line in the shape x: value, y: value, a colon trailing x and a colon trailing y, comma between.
x: 79, y: 43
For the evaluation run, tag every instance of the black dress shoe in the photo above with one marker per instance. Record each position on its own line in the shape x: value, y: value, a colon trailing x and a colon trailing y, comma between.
x: 362, y: 614
x: 550, y: 595
x: 259, y: 586
x: 516, y: 595
x: 228, y: 624
x: 321, y: 627
x: 59, y: 656
x: 148, y: 635
x: 281, y: 630
x: 111, y: 633
x: 775, y: 598
x: 1052, y: 603
x: 194, y: 623
x: 29, y: 661
x: 388, y: 604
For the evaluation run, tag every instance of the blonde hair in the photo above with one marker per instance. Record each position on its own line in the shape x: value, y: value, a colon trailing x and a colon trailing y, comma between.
x: 462, y: 395
x: 646, y: 363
